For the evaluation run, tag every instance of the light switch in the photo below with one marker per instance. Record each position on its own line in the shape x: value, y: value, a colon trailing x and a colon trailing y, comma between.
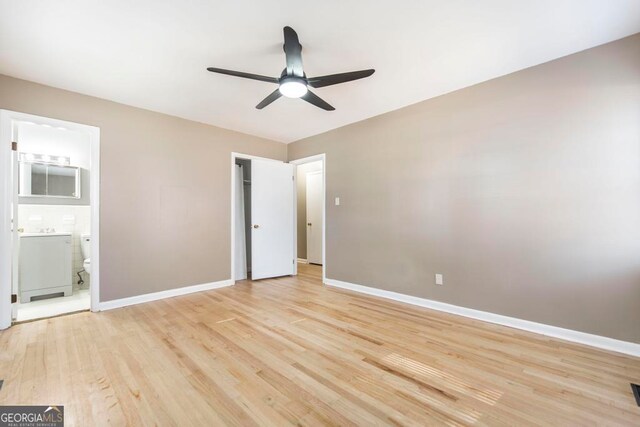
x: 337, y: 201
x: 439, y: 279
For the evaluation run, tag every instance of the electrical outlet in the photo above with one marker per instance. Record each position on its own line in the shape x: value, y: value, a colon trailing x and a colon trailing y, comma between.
x: 439, y: 279
x: 337, y: 201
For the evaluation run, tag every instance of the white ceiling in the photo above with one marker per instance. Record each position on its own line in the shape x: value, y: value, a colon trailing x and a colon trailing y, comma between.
x: 154, y: 53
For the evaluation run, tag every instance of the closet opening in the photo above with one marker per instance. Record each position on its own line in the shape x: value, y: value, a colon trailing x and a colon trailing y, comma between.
x: 243, y: 219
x: 262, y: 218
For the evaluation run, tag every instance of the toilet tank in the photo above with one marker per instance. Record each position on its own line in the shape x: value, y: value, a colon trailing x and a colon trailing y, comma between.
x: 85, y: 245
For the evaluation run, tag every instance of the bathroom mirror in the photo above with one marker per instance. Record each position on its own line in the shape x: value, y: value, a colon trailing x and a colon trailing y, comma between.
x: 47, y: 180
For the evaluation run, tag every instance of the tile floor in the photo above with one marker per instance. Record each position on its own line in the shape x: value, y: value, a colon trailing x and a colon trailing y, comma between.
x: 80, y: 300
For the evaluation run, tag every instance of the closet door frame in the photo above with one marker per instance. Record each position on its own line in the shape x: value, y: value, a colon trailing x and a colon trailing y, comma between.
x: 235, y: 156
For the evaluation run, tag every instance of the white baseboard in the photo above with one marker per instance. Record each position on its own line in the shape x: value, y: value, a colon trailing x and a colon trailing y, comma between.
x: 138, y: 299
x: 303, y: 261
x: 598, y: 341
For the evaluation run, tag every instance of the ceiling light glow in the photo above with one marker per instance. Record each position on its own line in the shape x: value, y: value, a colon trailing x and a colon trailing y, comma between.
x: 293, y: 87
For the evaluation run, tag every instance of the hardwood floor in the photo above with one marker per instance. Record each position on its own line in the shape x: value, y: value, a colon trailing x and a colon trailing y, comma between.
x: 291, y: 351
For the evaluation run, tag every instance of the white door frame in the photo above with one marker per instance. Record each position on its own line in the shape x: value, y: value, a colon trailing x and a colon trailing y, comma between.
x: 7, y: 119
x: 322, y: 157
x: 235, y: 156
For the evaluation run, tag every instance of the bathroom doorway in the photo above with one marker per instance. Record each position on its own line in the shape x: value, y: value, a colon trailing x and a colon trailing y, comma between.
x: 51, y: 213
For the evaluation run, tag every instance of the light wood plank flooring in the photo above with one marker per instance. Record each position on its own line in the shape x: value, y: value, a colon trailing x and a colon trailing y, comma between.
x: 291, y: 351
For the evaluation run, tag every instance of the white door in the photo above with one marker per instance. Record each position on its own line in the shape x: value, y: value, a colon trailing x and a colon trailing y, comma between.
x: 272, y: 217
x: 314, y: 217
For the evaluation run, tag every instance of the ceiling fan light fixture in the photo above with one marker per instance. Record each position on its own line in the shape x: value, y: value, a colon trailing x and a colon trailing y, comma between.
x: 293, y: 82
x: 293, y: 87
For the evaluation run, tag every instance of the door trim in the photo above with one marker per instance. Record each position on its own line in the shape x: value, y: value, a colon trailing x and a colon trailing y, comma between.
x: 322, y: 157
x: 235, y: 156
x: 7, y: 118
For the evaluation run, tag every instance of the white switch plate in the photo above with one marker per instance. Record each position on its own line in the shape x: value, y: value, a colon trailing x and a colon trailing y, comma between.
x: 337, y: 201
x: 439, y: 279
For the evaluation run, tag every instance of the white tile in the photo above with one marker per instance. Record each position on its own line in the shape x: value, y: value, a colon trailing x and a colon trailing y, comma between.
x: 80, y: 300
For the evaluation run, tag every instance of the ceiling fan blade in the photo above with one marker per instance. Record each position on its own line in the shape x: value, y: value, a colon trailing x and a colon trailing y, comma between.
x: 243, y: 75
x: 335, y: 79
x: 293, y: 52
x: 269, y: 99
x: 314, y: 99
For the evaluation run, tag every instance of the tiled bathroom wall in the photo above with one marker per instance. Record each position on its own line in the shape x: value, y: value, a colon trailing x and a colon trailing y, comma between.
x: 61, y: 218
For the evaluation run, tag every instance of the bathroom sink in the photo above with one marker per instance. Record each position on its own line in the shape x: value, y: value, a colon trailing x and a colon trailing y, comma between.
x: 44, y: 264
x: 44, y: 234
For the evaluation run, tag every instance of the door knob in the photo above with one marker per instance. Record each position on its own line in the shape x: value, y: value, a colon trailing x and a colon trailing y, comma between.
x: 309, y: 224
x: 256, y: 226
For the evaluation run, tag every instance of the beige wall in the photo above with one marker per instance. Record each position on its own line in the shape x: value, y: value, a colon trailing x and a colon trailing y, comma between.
x: 165, y: 189
x: 523, y: 191
x: 301, y: 201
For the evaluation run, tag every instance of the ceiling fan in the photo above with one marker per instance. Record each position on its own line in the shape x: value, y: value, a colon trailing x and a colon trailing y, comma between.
x: 293, y: 82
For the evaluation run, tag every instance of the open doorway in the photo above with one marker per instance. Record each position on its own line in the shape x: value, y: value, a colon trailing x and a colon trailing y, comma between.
x: 309, y: 205
x: 52, y: 211
x: 277, y: 209
x: 310, y: 211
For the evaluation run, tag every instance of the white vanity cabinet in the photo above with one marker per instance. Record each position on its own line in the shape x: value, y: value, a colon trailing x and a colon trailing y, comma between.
x: 45, y: 265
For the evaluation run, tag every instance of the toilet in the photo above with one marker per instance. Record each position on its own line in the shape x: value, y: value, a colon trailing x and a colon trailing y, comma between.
x: 85, y: 247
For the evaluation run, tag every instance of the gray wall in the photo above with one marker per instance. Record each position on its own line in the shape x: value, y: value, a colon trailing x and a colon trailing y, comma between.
x: 523, y: 191
x: 301, y: 207
x: 165, y: 189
